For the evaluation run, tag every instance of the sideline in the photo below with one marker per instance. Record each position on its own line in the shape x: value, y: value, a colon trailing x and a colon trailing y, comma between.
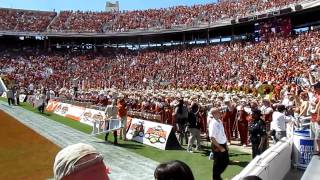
x: 123, y: 163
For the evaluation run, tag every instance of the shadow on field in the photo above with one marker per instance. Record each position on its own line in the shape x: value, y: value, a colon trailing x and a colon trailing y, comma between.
x: 130, y: 146
x: 239, y: 163
x: 121, y: 144
x: 237, y: 154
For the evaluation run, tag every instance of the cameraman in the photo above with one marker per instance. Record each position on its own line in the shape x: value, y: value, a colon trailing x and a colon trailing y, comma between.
x: 181, y: 116
x: 194, y: 127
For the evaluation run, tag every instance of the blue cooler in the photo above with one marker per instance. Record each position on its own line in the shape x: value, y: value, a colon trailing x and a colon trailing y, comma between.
x: 303, y: 147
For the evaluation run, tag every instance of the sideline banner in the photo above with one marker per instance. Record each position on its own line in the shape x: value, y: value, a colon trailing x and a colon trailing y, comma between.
x: 105, y: 126
x: 22, y: 97
x: 75, y: 112
x: 150, y: 133
x: 4, y: 95
x: 52, y: 105
x: 91, y: 115
x: 62, y: 109
x: 30, y: 99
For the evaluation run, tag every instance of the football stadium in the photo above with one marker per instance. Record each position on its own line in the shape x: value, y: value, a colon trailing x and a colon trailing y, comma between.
x: 208, y: 90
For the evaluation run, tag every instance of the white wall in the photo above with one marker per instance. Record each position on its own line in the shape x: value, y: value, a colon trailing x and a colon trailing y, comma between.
x: 273, y: 164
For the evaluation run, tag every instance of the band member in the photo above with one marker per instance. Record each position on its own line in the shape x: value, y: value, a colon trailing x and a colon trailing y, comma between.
x: 219, y: 144
x: 266, y: 111
x: 226, y: 118
x: 233, y: 114
x: 242, y: 125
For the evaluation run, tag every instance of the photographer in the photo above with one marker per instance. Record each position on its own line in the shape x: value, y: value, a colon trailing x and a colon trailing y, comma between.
x: 181, y: 116
x: 194, y: 127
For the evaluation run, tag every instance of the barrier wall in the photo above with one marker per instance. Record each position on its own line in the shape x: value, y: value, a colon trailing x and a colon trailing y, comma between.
x: 21, y: 96
x: 273, y: 164
x: 313, y: 170
x: 150, y: 133
x: 3, y: 87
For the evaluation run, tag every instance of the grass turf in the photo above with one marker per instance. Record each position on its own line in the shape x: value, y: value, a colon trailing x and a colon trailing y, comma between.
x: 199, y: 163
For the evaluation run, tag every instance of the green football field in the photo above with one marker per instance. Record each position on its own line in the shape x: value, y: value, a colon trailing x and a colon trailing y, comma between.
x: 199, y: 163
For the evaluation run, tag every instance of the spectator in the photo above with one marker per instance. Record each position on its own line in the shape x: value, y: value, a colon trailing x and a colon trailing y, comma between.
x: 279, y: 121
x: 173, y: 17
x: 173, y: 170
x: 251, y: 178
x: 79, y: 161
x: 315, y: 122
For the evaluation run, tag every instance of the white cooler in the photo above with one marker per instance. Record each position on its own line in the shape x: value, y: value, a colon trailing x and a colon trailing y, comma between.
x: 303, y: 147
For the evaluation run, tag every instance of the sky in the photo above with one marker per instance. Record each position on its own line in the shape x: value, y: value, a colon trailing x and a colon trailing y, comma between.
x: 95, y: 5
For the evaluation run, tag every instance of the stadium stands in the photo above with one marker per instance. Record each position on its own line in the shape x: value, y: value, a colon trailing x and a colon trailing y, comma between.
x: 98, y: 22
x: 280, y: 61
x: 25, y: 20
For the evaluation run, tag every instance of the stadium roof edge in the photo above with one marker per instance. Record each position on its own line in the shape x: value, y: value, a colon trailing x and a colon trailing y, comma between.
x: 33, y: 10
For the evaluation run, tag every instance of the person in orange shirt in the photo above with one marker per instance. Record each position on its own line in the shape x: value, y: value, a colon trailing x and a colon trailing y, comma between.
x: 122, y: 113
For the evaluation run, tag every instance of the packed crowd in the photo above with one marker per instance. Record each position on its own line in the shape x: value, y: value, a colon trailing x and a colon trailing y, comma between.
x: 25, y: 20
x: 166, y: 18
x: 252, y: 119
x: 282, y: 63
x: 218, y: 67
x: 78, y: 21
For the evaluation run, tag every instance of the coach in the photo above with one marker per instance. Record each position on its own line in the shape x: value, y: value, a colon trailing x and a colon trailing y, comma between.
x: 219, y: 145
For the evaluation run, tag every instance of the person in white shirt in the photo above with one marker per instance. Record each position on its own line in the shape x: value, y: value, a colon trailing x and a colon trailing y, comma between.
x: 218, y: 143
x: 111, y: 112
x: 31, y: 88
x: 279, y: 121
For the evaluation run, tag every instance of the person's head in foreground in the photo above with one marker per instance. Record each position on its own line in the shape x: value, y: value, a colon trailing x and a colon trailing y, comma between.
x: 173, y: 170
x: 79, y: 162
x: 251, y: 178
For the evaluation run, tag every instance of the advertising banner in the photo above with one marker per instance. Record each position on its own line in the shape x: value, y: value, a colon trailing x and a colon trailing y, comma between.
x: 105, y: 126
x: 31, y: 99
x: 22, y: 97
x: 303, y: 148
x: 52, y: 105
x: 62, y: 109
x: 306, y: 152
x: 150, y: 133
x: 4, y: 95
x: 75, y: 112
x: 91, y: 115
